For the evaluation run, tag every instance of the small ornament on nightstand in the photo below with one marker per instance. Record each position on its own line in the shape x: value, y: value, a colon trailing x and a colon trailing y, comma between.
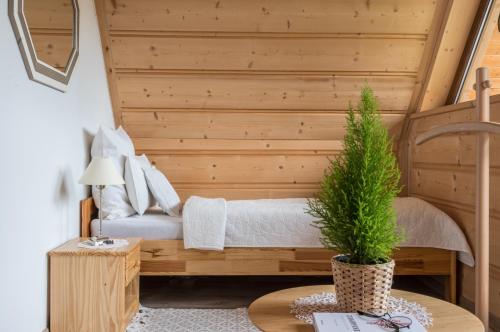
x: 95, y: 243
x: 99, y: 241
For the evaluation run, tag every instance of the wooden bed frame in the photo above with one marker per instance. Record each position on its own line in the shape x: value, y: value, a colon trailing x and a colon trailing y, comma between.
x: 169, y: 258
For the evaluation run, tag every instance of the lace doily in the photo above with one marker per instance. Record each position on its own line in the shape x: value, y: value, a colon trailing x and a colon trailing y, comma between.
x: 304, y: 307
x: 118, y: 243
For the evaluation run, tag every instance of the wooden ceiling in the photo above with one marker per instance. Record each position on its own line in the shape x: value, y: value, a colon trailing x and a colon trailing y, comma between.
x: 487, y: 55
x: 247, y: 98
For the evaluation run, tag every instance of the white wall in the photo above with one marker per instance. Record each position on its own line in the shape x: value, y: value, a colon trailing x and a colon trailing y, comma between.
x: 44, y: 140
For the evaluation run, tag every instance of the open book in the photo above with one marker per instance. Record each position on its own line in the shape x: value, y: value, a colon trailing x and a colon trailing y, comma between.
x: 353, y: 322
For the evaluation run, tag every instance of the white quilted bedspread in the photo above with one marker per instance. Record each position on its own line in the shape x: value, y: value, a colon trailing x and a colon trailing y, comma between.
x: 284, y: 223
x: 270, y: 223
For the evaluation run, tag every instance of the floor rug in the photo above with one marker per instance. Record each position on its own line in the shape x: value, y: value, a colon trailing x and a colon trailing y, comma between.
x: 191, y: 320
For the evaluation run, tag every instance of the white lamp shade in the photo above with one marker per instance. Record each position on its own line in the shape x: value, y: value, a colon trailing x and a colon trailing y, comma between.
x: 101, y: 171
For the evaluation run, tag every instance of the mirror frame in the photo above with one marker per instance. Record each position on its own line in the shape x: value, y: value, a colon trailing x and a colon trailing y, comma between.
x: 38, y: 70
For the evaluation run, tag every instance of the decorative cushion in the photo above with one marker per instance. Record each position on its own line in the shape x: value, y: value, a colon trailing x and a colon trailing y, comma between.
x: 160, y: 187
x: 116, y: 145
x: 115, y: 203
x: 126, y: 144
x: 136, y: 185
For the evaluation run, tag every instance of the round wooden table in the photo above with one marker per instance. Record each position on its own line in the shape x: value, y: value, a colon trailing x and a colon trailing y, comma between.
x: 271, y: 312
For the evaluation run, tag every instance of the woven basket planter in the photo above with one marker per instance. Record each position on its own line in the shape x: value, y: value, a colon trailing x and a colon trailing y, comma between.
x: 362, y: 287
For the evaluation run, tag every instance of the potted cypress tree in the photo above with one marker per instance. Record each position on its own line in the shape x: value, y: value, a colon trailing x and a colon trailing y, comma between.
x: 355, y: 213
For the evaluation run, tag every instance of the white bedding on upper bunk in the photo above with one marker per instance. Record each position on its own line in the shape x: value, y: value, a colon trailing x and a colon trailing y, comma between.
x: 283, y: 223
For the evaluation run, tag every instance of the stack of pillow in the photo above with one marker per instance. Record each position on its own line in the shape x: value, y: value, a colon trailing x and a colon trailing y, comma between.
x: 144, y: 184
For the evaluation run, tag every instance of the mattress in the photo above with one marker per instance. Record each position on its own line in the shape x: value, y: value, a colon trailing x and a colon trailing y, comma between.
x: 153, y: 225
x: 247, y: 230
x: 283, y: 223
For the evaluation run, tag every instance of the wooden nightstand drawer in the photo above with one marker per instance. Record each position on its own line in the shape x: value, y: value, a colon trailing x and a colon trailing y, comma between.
x: 132, y: 265
x: 93, y: 290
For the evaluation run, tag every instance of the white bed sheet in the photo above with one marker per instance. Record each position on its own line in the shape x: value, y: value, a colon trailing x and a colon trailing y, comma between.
x: 153, y: 225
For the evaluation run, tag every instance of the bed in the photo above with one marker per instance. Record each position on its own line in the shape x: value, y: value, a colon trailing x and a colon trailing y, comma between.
x: 163, y: 253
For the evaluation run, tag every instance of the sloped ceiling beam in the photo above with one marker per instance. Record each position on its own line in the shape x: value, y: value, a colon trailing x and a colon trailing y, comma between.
x: 477, y: 52
x: 452, y: 22
x: 450, y: 37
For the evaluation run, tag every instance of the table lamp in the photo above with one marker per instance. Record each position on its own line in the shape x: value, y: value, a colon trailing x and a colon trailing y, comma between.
x: 101, y: 172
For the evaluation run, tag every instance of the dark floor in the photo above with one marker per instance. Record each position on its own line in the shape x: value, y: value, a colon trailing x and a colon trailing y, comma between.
x: 236, y: 291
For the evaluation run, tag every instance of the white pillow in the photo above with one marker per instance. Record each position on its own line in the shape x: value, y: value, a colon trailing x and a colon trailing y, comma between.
x: 162, y: 190
x: 126, y: 144
x: 136, y: 185
x: 115, y: 203
x: 113, y: 144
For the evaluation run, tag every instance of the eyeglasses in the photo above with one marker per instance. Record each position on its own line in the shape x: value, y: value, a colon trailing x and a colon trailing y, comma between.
x: 387, y: 321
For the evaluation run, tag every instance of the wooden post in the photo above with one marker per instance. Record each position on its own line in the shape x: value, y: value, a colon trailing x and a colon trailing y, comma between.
x: 482, y: 199
x: 483, y: 127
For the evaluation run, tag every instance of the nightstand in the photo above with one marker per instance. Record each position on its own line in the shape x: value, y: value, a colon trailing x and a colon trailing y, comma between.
x: 93, y: 290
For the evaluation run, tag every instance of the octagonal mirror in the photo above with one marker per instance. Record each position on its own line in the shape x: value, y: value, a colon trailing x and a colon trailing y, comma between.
x: 47, y: 35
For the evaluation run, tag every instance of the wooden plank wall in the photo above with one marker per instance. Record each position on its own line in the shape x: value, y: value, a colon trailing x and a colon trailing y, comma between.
x: 444, y: 61
x: 247, y: 99
x: 442, y: 171
x: 487, y: 54
x: 491, y: 60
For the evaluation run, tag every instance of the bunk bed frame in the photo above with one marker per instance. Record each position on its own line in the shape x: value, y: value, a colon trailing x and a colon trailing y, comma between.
x: 169, y: 258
